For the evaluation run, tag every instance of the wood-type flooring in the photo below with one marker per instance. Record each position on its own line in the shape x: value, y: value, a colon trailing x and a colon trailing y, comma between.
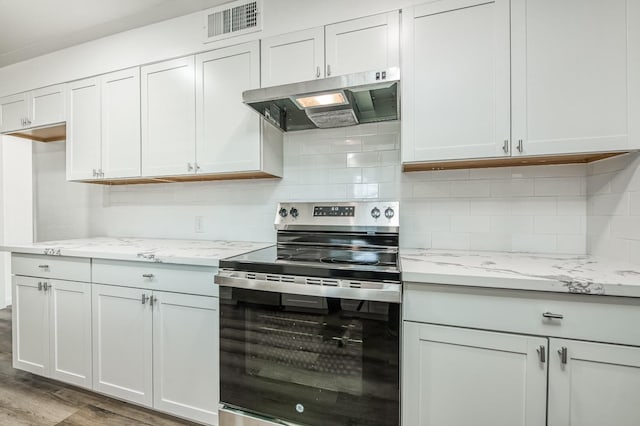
x: 30, y: 400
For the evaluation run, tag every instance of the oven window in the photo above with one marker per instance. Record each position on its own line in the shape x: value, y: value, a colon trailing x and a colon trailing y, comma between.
x: 308, y: 359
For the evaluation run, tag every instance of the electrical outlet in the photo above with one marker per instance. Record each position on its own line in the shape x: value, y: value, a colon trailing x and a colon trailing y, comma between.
x: 199, y: 224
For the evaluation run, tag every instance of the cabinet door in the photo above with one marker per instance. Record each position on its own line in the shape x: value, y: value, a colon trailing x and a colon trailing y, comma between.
x: 598, y: 385
x: 293, y: 57
x: 13, y: 112
x: 70, y: 322
x: 47, y: 106
x: 459, y: 377
x: 168, y: 117
x: 363, y: 44
x: 122, y: 343
x: 121, y: 124
x: 576, y: 75
x: 83, y: 129
x: 185, y: 351
x: 30, y: 325
x: 228, y: 137
x: 455, y: 96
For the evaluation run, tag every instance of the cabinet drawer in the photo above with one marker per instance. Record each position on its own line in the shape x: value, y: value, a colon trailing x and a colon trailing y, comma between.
x: 156, y: 276
x: 584, y: 317
x: 62, y: 268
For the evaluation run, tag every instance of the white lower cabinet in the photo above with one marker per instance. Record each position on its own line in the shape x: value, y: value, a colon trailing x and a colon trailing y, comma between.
x: 459, y: 377
x: 122, y: 343
x: 185, y: 356
x: 52, y: 329
x: 456, y: 373
x: 593, y: 384
x: 157, y: 349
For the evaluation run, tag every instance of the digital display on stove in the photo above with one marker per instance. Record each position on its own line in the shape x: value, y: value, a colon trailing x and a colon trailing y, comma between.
x: 348, y: 211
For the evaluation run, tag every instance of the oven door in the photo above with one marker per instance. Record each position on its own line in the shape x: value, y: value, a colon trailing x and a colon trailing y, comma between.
x: 310, y: 360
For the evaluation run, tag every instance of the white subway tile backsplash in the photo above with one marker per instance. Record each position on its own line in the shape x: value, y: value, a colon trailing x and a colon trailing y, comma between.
x: 479, y: 209
x: 470, y: 223
x: 470, y: 189
x: 559, y: 186
x: 512, y: 188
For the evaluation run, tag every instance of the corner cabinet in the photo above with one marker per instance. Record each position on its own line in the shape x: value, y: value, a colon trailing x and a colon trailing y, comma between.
x: 515, y: 81
x: 353, y: 46
x: 506, y: 357
x: 103, y: 126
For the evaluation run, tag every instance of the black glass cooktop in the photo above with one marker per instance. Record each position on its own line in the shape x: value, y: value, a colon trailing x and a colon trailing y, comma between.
x: 365, y: 263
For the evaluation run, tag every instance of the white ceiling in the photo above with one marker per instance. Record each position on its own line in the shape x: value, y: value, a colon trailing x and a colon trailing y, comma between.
x: 30, y: 28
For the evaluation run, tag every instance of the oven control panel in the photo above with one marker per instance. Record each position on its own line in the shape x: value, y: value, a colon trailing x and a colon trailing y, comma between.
x: 368, y: 214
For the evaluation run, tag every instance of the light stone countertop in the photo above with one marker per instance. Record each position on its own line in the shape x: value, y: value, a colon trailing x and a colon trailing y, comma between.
x: 521, y: 271
x: 184, y: 252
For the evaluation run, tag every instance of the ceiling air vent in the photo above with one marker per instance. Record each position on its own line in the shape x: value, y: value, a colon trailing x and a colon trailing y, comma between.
x: 232, y: 19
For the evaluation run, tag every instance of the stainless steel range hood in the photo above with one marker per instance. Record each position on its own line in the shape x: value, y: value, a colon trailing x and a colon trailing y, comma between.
x: 340, y: 101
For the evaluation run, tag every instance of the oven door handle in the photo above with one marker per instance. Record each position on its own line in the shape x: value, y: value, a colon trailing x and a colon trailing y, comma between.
x: 389, y: 292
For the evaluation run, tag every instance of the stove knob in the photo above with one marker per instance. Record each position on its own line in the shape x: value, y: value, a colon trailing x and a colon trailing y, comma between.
x: 293, y: 212
x: 388, y: 213
x: 283, y: 212
x: 375, y: 212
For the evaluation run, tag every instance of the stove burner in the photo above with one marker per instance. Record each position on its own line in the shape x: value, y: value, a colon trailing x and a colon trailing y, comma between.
x: 349, y: 261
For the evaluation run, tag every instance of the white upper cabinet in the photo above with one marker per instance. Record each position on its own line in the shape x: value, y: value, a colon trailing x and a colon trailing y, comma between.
x: 103, y: 126
x: 37, y: 108
x: 363, y: 44
x: 46, y: 106
x: 121, y: 124
x: 455, y: 94
x: 293, y: 57
x: 228, y: 133
x: 13, y: 112
x: 168, y: 117
x: 83, y: 129
x: 593, y: 384
x: 358, y: 45
x: 576, y: 75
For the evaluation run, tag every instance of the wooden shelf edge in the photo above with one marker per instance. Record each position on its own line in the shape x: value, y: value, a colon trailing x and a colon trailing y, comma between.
x: 509, y: 162
x: 174, y: 179
x: 43, y: 134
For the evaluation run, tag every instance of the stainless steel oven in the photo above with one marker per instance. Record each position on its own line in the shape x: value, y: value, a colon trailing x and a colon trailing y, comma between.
x: 310, y: 328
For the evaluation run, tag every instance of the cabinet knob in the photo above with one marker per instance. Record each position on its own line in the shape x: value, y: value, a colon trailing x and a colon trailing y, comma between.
x: 39, y: 285
x: 563, y: 355
x: 520, y: 146
x: 542, y: 353
x: 505, y: 146
x: 189, y: 167
x: 144, y: 298
x: 45, y: 286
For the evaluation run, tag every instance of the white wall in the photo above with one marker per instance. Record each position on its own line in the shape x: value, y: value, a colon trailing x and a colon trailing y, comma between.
x: 613, y: 187
x: 16, y: 204
x: 173, y: 38
x: 540, y: 208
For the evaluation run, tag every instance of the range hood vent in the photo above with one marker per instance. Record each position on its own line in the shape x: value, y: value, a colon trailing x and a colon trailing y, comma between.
x: 340, y: 101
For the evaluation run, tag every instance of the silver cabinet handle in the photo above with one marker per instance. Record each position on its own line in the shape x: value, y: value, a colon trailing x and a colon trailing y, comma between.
x: 197, y: 166
x: 100, y: 174
x: 520, y: 145
x: 28, y: 122
x: 189, y: 167
x: 318, y: 72
x: 542, y: 353
x: 144, y: 298
x: 43, y: 266
x: 152, y: 299
x: 147, y: 276
x: 95, y: 173
x: 45, y: 286
x: 505, y: 146
x: 563, y: 355
x: 328, y: 70
x: 22, y: 122
x: 551, y: 315
x: 39, y: 285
